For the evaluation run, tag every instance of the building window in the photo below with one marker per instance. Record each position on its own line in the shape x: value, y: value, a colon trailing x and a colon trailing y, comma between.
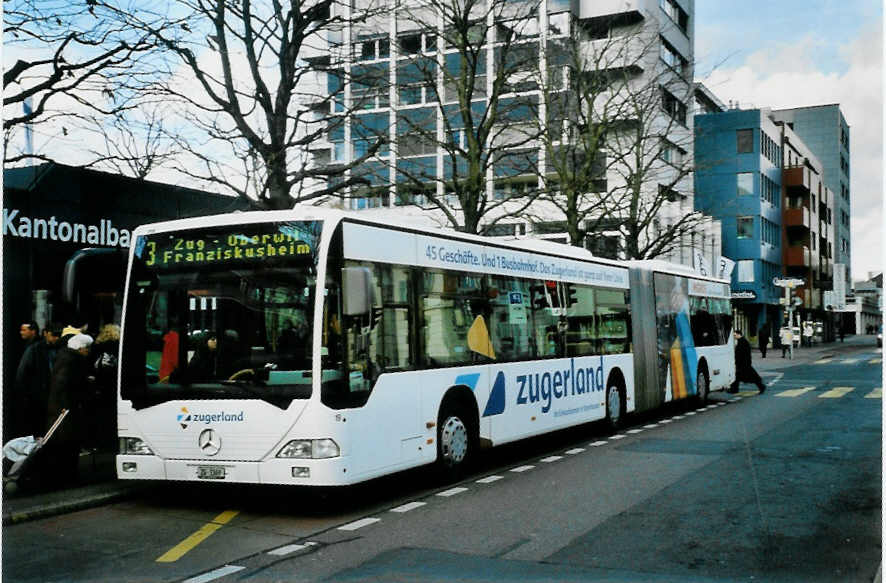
x: 746, y: 271
x: 745, y: 227
x: 745, y: 183
x: 672, y: 57
x: 745, y: 141
x: 671, y: 153
x: 675, y: 108
x: 675, y: 13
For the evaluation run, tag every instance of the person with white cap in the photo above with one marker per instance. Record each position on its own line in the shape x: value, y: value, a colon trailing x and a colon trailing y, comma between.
x: 67, y: 386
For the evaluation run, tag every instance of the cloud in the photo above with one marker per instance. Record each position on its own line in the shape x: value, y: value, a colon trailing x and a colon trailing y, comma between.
x: 789, y: 77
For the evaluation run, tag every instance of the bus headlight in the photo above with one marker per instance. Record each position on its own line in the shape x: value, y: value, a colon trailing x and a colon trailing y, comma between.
x: 310, y: 449
x: 134, y: 446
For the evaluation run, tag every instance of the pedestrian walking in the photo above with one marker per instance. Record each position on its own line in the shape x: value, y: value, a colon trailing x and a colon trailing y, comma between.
x: 744, y: 371
x: 785, y: 337
x: 763, y: 339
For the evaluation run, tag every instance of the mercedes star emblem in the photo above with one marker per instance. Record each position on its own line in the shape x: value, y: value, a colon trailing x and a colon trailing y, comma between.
x: 209, y: 442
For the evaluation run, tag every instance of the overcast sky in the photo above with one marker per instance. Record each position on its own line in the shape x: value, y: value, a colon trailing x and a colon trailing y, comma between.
x: 794, y: 53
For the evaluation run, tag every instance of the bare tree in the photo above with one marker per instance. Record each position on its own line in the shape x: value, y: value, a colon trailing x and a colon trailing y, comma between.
x: 66, y: 57
x: 618, y: 144
x: 247, y: 78
x: 133, y: 142
x: 470, y: 66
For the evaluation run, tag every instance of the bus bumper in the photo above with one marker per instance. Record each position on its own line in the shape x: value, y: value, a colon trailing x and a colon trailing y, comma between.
x: 305, y: 472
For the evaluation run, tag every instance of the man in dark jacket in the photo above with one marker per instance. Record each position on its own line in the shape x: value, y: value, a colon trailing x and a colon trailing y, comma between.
x: 32, y: 382
x: 744, y: 372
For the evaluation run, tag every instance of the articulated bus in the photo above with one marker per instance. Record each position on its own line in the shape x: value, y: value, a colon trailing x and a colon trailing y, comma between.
x: 319, y: 347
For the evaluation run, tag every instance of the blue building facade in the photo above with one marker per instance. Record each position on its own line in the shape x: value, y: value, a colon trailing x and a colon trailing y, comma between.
x: 738, y: 180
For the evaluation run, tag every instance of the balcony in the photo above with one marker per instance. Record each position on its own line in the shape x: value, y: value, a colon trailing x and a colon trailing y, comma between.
x: 797, y: 256
x: 797, y: 217
x: 800, y: 180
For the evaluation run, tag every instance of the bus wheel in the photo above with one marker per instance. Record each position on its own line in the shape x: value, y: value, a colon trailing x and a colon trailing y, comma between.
x: 455, y: 442
x: 703, y: 386
x: 615, y: 406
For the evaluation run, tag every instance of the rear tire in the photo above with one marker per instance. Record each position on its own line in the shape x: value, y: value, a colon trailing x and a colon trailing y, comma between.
x: 456, y: 442
x: 703, y: 387
x: 615, y: 406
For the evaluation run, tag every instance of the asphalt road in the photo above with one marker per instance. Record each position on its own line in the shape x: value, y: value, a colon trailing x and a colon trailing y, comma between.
x: 784, y: 486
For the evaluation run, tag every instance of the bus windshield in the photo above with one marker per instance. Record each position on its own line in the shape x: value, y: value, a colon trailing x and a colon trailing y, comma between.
x: 221, y: 313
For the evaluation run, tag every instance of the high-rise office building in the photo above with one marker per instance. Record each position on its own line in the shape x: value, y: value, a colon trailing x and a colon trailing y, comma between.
x: 402, y: 79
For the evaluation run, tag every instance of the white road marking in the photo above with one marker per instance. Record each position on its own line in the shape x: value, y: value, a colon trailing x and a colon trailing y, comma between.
x: 408, y: 506
x: 215, y: 574
x: 850, y: 361
x: 634, y: 431
x: 665, y: 421
x: 795, y: 392
x: 836, y: 392
x: 598, y: 443
x: 875, y: 394
x: 359, y: 523
x: 489, y: 479
x: 452, y: 492
x: 619, y: 436
x: 291, y: 549
x: 522, y: 469
x: 575, y: 450
x: 823, y: 361
x: 675, y: 417
x: 552, y: 458
x: 690, y: 413
x: 651, y: 426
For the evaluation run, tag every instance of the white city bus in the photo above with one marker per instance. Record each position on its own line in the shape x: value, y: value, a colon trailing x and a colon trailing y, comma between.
x: 318, y: 347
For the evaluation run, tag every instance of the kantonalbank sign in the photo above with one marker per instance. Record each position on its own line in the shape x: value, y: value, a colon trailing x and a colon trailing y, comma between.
x: 52, y: 229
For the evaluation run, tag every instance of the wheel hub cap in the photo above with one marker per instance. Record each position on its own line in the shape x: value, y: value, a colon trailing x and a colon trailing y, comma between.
x: 454, y: 440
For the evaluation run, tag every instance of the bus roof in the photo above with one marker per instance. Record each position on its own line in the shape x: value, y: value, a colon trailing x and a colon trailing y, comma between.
x: 381, y: 217
x: 659, y: 266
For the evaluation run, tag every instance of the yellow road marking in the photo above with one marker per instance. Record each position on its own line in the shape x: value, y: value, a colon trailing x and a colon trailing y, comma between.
x: 836, y: 392
x: 795, y: 392
x: 875, y: 394
x: 875, y: 361
x: 179, y: 550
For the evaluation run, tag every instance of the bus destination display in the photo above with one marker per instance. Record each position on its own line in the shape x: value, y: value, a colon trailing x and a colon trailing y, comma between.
x: 166, y: 251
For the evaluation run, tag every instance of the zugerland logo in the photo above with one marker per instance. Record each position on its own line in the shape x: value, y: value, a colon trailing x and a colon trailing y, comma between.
x: 547, y: 386
x: 544, y: 386
x: 186, y: 417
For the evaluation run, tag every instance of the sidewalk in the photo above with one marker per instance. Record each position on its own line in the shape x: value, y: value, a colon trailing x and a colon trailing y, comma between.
x: 97, y: 485
x: 805, y: 355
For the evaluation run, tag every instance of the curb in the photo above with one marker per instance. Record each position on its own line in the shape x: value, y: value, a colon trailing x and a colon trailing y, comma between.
x: 46, y: 509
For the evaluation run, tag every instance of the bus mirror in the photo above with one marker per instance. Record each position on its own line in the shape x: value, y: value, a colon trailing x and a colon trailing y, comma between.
x: 358, y: 290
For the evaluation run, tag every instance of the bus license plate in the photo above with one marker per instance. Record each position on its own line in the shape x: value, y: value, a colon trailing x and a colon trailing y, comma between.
x: 211, y: 472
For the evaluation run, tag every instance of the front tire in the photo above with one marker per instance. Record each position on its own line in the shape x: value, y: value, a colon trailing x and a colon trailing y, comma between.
x: 456, y: 442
